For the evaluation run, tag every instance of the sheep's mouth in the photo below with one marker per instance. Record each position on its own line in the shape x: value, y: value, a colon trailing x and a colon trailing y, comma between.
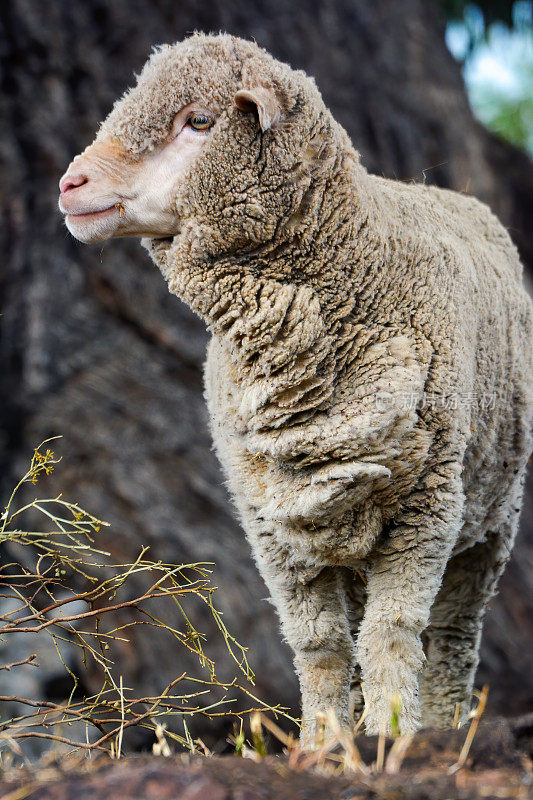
x: 103, y: 212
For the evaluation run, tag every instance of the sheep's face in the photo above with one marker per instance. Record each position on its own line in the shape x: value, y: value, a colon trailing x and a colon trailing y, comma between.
x: 108, y: 191
x: 216, y: 144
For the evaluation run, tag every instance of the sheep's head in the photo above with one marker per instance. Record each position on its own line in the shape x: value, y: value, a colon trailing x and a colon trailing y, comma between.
x: 217, y: 141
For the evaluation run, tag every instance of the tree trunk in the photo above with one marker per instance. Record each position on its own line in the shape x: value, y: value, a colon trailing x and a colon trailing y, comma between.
x: 93, y: 347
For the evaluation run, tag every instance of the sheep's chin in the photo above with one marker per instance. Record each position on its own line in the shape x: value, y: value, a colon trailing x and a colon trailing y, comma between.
x: 94, y: 228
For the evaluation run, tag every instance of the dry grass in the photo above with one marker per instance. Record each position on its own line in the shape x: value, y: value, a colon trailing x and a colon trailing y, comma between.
x: 339, y: 753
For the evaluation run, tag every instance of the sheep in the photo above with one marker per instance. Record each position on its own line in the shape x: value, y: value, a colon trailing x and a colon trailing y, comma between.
x: 369, y: 378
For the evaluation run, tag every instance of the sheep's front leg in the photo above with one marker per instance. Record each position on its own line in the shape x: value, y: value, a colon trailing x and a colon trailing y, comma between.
x: 404, y: 577
x: 314, y: 621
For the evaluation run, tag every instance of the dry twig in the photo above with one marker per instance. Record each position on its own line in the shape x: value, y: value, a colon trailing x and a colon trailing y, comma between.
x: 44, y: 596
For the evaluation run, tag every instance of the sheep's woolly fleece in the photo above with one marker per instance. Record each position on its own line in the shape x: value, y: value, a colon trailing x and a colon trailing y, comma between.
x: 369, y: 380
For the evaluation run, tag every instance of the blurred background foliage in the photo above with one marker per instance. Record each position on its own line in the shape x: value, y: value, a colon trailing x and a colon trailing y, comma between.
x: 494, y: 42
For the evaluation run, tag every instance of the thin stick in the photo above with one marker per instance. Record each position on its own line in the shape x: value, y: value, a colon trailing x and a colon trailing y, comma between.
x: 380, y: 755
x: 280, y: 735
x: 364, y: 714
x: 29, y: 660
x: 121, y: 732
x: 463, y: 755
x: 352, y: 757
x: 397, y: 753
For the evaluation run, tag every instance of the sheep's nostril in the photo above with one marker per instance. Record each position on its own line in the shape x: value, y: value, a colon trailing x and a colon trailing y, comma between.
x: 69, y: 182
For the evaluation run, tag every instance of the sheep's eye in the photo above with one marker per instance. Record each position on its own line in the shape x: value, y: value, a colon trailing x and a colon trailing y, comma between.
x: 200, y: 122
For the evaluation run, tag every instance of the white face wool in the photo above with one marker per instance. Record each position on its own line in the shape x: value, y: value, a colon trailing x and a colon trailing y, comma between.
x: 125, y: 196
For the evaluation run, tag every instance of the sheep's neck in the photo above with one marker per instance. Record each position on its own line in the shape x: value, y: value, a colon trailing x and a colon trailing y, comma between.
x: 335, y: 246
x: 288, y: 332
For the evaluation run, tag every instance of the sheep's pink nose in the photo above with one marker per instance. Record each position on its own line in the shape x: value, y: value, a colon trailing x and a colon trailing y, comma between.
x: 69, y: 182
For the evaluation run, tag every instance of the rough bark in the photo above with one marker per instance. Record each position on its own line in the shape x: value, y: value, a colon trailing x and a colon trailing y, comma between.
x: 94, y: 348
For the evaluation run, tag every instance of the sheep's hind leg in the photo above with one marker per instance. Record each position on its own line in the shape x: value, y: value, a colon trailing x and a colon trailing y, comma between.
x: 404, y: 576
x: 355, y: 598
x: 454, y: 632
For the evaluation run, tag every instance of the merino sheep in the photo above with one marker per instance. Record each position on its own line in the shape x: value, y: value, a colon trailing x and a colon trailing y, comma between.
x: 370, y: 374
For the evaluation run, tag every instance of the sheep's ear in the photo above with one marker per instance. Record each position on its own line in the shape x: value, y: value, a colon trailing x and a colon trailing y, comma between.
x: 263, y: 101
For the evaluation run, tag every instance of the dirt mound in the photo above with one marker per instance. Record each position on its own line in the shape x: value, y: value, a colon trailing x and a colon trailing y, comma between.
x: 498, y: 766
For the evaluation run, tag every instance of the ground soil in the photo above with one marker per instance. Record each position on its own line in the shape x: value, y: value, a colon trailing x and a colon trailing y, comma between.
x: 499, y: 765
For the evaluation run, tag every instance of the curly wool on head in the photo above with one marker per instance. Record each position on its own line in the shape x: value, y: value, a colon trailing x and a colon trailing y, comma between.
x: 369, y: 378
